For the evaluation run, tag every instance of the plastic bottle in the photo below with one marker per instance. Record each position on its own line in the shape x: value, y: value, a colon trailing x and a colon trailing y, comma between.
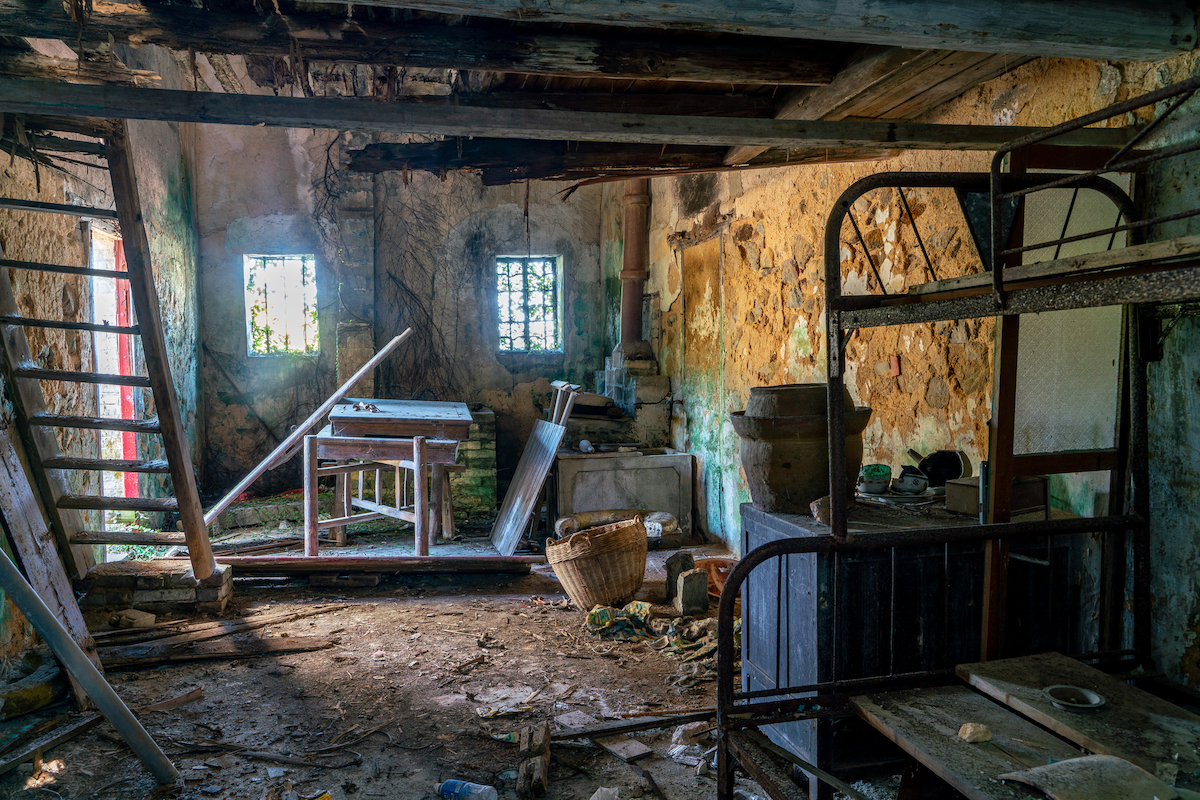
x: 461, y: 790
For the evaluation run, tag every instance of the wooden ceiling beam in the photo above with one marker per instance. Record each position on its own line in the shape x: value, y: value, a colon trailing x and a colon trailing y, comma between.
x: 503, y: 161
x: 675, y: 104
x: 620, y: 54
x: 122, y: 102
x: 888, y: 83
x: 1119, y: 30
x: 19, y: 62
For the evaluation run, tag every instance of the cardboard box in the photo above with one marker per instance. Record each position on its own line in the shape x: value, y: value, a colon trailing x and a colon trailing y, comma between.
x: 1029, y: 495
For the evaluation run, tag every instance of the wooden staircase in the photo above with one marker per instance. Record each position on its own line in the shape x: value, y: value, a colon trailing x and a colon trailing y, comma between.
x: 37, y: 423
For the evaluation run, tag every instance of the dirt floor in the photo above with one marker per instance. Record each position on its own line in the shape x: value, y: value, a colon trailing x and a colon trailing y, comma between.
x: 395, y: 706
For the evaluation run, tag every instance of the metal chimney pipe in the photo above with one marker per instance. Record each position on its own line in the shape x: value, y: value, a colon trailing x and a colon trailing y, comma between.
x: 635, y: 268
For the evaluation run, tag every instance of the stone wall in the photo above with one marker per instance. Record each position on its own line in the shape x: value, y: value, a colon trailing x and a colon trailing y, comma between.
x: 737, y: 264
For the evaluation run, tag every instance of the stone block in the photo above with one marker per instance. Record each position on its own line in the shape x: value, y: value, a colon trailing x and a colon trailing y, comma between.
x: 214, y: 607
x: 114, y: 581
x: 676, y: 565
x: 142, y: 598
x: 119, y: 598
x: 94, y: 599
x: 180, y: 580
x: 691, y: 593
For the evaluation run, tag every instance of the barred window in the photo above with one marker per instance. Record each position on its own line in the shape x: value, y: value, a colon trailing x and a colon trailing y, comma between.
x: 529, y: 301
x: 281, y: 305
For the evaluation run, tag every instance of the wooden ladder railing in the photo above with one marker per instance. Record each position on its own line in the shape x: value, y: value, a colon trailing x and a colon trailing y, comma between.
x: 21, y: 372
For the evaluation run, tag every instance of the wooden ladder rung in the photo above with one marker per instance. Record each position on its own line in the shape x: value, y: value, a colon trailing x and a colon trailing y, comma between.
x: 129, y: 537
x: 107, y: 464
x: 62, y: 268
x: 45, y: 420
x: 32, y: 322
x: 104, y: 503
x: 71, y: 376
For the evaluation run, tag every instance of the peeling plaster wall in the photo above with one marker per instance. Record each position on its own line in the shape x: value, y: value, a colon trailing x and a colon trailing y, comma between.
x: 436, y: 244
x: 769, y: 254
x: 255, y: 195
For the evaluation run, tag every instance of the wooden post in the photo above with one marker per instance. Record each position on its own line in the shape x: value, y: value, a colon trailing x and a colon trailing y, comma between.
x: 420, y: 498
x: 154, y: 350
x: 447, y: 509
x: 310, y: 496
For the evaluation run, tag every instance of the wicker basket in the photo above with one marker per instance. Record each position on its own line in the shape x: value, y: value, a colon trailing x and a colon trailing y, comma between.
x: 601, y: 566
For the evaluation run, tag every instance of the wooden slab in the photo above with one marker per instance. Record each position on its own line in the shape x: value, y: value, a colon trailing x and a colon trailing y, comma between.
x: 623, y: 747
x: 1095, y: 778
x: 402, y: 418
x: 1132, y: 724
x: 526, y: 486
x: 144, y: 656
x: 925, y: 723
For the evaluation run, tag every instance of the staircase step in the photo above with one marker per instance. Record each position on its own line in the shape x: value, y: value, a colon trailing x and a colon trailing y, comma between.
x: 33, y: 322
x: 106, y: 464
x: 46, y: 420
x: 81, y: 377
x: 63, y: 269
x: 129, y: 537
x: 103, y: 503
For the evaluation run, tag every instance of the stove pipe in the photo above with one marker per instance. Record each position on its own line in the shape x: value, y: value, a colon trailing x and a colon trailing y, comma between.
x: 634, y: 270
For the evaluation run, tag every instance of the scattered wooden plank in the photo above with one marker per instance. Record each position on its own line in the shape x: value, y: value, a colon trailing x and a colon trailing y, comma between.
x: 158, y: 466
x: 533, y: 760
x: 1095, y: 778
x: 925, y: 724
x: 623, y: 747
x: 43, y: 97
x: 174, y: 702
x: 761, y: 769
x: 385, y: 565
x: 1132, y: 724
x: 144, y: 656
x: 46, y: 420
x: 526, y: 487
x: 154, y: 538
x: 34, y: 546
x: 200, y: 631
x: 630, y: 725
x: 82, y: 501
x: 37, y: 373
x: 55, y: 737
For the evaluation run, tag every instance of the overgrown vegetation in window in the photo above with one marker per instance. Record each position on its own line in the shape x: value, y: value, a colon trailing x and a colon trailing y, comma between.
x: 527, y: 290
x: 281, y: 304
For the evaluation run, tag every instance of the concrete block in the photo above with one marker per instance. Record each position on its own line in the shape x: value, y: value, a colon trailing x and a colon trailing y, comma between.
x: 141, y: 598
x: 148, y: 582
x: 676, y: 565
x: 184, y: 579
x: 113, y: 581
x: 651, y: 388
x: 94, y: 599
x: 119, y: 598
x: 691, y: 593
x: 214, y: 607
x: 222, y: 575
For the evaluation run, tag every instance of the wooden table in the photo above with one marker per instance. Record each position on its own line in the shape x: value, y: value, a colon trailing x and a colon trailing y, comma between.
x: 1027, y: 729
x: 389, y: 434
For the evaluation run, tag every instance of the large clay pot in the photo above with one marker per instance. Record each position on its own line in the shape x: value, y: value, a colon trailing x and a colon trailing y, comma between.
x: 786, y: 455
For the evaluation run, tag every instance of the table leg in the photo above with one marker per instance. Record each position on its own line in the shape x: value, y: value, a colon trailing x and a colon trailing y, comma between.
x: 436, y: 502
x: 310, y: 497
x: 420, y: 498
x: 341, y: 505
x: 447, y: 511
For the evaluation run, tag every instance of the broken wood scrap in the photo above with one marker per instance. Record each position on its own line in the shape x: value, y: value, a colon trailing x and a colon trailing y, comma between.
x: 174, y: 702
x: 648, y: 778
x: 630, y: 725
x: 201, y: 631
x: 50, y: 739
x: 212, y: 746
x: 533, y: 765
x: 38, y: 689
x: 154, y: 654
x: 623, y: 747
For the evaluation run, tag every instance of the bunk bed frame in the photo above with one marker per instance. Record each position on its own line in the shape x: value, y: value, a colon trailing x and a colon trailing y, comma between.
x: 1154, y: 268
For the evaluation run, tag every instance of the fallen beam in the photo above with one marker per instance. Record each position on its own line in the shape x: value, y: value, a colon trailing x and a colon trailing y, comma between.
x: 612, y: 53
x: 400, y: 565
x: 144, y: 656
x: 40, y: 97
x: 1120, y: 30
